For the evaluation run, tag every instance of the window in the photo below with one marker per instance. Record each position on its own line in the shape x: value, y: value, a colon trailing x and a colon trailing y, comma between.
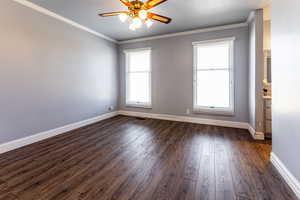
x: 213, y: 76
x: 138, y: 77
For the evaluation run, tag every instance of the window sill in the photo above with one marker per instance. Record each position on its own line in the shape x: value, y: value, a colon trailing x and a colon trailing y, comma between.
x: 146, y: 106
x: 213, y: 112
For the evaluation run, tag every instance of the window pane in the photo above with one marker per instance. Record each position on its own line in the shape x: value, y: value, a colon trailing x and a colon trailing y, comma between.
x: 213, y: 56
x: 139, y: 61
x: 139, y: 88
x: 213, y: 88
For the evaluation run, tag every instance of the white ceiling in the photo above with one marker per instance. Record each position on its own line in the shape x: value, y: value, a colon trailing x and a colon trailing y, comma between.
x: 186, y: 15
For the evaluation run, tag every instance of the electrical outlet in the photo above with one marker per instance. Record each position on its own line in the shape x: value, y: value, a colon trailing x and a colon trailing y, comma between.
x: 110, y: 108
x: 188, y: 111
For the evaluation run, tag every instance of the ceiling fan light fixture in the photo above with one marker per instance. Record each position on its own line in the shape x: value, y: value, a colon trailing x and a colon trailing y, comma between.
x: 139, y: 14
x: 132, y: 27
x: 123, y: 17
x: 149, y: 23
x: 137, y: 22
x: 143, y: 14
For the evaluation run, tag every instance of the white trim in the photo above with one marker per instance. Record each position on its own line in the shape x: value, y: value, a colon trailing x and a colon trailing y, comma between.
x: 251, y: 17
x: 202, y: 30
x: 77, y: 25
x: 232, y: 124
x: 227, y: 39
x: 136, y: 50
x: 256, y: 135
x: 61, y: 18
x: 50, y: 133
x: 289, y: 178
x: 9, y: 146
x: 138, y: 104
x: 215, y: 110
x: 259, y: 136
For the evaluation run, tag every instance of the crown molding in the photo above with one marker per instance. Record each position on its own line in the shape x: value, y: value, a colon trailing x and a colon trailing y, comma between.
x: 61, y: 18
x: 203, y: 30
x: 77, y: 25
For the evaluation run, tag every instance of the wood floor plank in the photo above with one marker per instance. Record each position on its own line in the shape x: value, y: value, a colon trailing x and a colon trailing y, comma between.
x: 125, y: 158
x: 128, y: 184
x: 119, y: 167
x: 20, y: 157
x: 224, y: 182
x: 262, y: 173
x: 188, y: 182
x: 155, y: 175
x: 240, y: 170
x: 89, y: 169
x: 52, y: 166
x: 206, y: 179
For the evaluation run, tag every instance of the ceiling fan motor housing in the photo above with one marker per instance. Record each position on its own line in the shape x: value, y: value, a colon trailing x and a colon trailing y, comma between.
x: 138, y: 10
x: 135, y: 7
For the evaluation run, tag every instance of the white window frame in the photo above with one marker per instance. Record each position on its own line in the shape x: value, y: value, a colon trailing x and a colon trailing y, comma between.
x: 131, y: 103
x: 215, y: 110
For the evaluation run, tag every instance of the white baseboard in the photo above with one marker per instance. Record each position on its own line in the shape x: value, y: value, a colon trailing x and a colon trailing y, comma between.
x: 50, y: 133
x: 256, y: 135
x: 286, y: 174
x: 241, y: 125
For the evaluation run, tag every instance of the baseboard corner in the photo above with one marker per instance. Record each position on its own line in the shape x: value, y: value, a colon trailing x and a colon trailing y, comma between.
x: 18, y: 143
x: 255, y: 134
x: 289, y: 178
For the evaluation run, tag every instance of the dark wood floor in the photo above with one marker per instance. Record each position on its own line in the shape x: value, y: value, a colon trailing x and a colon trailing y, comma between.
x: 126, y: 158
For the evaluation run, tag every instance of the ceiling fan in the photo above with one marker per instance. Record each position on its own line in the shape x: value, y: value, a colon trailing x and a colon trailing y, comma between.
x: 138, y: 12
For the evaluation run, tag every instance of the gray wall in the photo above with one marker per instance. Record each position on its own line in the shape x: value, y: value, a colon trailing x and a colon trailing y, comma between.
x: 256, y: 62
x: 172, y: 73
x: 286, y: 83
x: 51, y: 74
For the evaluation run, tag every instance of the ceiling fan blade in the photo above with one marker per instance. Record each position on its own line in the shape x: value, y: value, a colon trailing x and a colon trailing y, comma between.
x: 152, y: 3
x: 159, y: 18
x: 112, y: 13
x: 126, y: 3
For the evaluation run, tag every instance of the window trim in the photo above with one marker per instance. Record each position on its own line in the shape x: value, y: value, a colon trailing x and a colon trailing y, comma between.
x: 137, y: 104
x: 215, y: 110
